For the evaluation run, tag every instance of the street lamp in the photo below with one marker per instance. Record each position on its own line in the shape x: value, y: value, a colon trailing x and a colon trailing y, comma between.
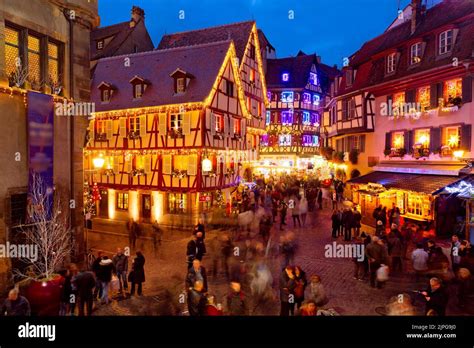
x: 98, y: 162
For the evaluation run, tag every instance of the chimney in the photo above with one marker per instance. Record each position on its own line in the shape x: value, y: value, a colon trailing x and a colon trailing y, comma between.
x: 416, y: 11
x: 137, y: 14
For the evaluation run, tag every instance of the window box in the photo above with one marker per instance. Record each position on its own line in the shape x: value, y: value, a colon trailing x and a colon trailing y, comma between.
x: 180, y: 174
x: 137, y: 172
x: 419, y: 151
x: 394, y: 152
x: 100, y: 136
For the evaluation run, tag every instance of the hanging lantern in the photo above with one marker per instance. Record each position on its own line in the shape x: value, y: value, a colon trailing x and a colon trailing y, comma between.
x: 98, y: 162
x: 206, y: 165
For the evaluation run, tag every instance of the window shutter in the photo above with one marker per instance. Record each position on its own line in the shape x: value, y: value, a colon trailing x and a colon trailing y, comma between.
x: 466, y: 89
x: 123, y: 127
x: 409, y: 141
x: 108, y: 127
x: 406, y: 141
x: 192, y: 165
x: 187, y: 123
x: 434, y: 95
x: 128, y: 165
x: 231, y: 126
x: 162, y: 124
x: 410, y: 96
x: 167, y: 164
x: 243, y: 124
x: 213, y: 123
x: 362, y: 143
x: 439, y: 90
x: 388, y: 141
x: 435, y: 139
x: 147, y: 160
x: 143, y: 126
x: 466, y: 133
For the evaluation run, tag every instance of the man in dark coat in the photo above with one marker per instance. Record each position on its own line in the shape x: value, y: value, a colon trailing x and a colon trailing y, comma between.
x: 195, y: 249
x: 120, y: 261
x: 200, y: 228
x: 95, y: 269
x: 436, y: 298
x: 137, y: 276
x: 356, y: 218
x: 84, y: 283
x: 336, y: 223
x: 196, y: 300
x: 348, y: 222
x: 236, y: 300
x: 395, y: 249
x: 15, y: 305
x: 287, y: 288
x: 377, y: 255
x: 195, y: 273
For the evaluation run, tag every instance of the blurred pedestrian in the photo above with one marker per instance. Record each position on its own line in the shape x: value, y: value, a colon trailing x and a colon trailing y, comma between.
x: 196, y: 300
x: 137, y: 276
x: 300, y: 285
x: 105, y: 276
x: 195, y: 273
x: 420, y: 261
x: 287, y: 294
x: 15, y: 305
x: 436, y: 298
x: 120, y: 261
x: 236, y: 300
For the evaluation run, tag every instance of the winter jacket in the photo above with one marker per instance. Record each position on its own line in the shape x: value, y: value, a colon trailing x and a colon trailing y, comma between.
x: 287, y: 287
x: 105, y: 271
x: 378, y: 252
x: 237, y: 303
x: 193, y: 276
x: 138, y: 269
x: 19, y: 307
x: 420, y: 260
x: 395, y: 246
x: 438, y: 301
x: 196, y: 303
x: 85, y: 283
x: 120, y: 263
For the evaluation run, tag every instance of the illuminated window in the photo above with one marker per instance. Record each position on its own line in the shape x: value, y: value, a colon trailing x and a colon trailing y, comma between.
x: 177, y: 203
x: 12, y: 50
x: 398, y: 140
x: 286, y: 117
x: 306, y: 98
x: 398, y: 103
x: 264, y: 140
x: 137, y: 90
x: 176, y: 122
x: 268, y: 118
x: 53, y: 62
x: 315, y: 140
x: 451, y: 137
x: 390, y: 63
x: 122, y: 201
x: 445, y: 42
x: 284, y: 139
x: 180, y: 162
x: 134, y: 125
x: 306, y: 118
x: 180, y: 85
x: 316, y: 99
x: 249, y: 104
x: 105, y: 95
x: 287, y: 97
x: 259, y: 109
x: 452, y: 89
x: 422, y: 137
x: 252, y: 75
x: 237, y: 126
x: 34, y: 60
x: 306, y: 140
x: 415, y: 205
x: 100, y: 45
x: 285, y: 77
x: 219, y: 123
x: 423, y: 97
x: 415, y: 53
x: 313, y: 78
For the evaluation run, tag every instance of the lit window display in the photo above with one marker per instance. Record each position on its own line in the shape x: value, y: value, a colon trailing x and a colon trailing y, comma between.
x: 287, y: 97
x: 397, y: 104
x: 452, y: 89
x: 284, y: 140
x: 306, y: 98
x: 286, y: 117
x: 423, y: 97
x: 398, y: 140
x: 306, y: 118
x: 422, y: 137
x: 452, y: 137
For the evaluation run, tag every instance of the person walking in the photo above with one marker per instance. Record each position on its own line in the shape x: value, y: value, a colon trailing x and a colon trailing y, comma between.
x: 336, y: 223
x: 295, y: 212
x: 196, y: 300
x: 395, y: 248
x: 84, y: 283
x: 105, y: 277
x: 303, y: 210
x: 357, y: 218
x: 95, y: 270
x: 348, y: 222
x: 287, y: 295
x: 137, y: 276
x: 120, y: 261
x: 283, y: 210
x: 195, y: 249
x: 420, y: 261
x: 300, y: 286
x: 236, y: 300
x: 320, y: 198
x: 377, y: 256
x: 195, y: 273
x: 436, y: 298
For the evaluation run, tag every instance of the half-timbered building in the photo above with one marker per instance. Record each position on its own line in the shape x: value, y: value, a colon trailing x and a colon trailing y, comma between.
x: 409, y: 91
x: 251, y: 69
x: 167, y: 137
x: 296, y: 88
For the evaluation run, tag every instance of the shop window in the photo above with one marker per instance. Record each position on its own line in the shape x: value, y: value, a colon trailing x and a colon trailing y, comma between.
x: 177, y: 203
x: 415, y: 205
x: 122, y: 201
x: 423, y: 97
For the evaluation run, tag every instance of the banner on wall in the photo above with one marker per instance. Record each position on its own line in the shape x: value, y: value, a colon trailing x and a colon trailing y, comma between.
x: 40, y: 116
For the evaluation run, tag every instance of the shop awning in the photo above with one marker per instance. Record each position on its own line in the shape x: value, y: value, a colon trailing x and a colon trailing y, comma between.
x: 431, y: 169
x: 429, y: 184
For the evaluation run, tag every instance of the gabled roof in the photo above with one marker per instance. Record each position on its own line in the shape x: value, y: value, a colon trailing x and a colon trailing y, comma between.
x: 263, y: 41
x: 203, y: 61
x: 119, y: 32
x: 238, y: 32
x: 298, y: 67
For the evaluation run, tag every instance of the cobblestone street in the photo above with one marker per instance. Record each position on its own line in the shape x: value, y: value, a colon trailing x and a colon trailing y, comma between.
x: 166, y: 270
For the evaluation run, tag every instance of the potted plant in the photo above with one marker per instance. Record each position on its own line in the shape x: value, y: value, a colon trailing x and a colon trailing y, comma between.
x: 47, y: 232
x: 387, y: 152
x: 338, y: 157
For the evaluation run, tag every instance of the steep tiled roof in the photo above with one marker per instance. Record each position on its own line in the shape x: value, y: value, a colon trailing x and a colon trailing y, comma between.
x: 119, y: 32
x: 369, y: 60
x: 238, y: 32
x: 202, y: 61
x: 410, y: 182
x: 298, y: 67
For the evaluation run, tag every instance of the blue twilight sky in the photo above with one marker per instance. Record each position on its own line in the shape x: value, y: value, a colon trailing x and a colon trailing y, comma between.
x: 333, y: 29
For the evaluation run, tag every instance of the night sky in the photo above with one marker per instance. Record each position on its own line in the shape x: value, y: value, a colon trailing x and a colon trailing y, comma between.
x: 333, y: 29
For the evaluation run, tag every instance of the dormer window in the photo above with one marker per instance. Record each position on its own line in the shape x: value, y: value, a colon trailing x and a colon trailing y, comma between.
x: 99, y: 45
x: 139, y: 85
x: 445, y: 42
x: 349, y: 77
x: 415, y: 53
x: 106, y: 91
x: 313, y: 78
x: 285, y: 77
x: 390, y: 63
x: 181, y: 80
